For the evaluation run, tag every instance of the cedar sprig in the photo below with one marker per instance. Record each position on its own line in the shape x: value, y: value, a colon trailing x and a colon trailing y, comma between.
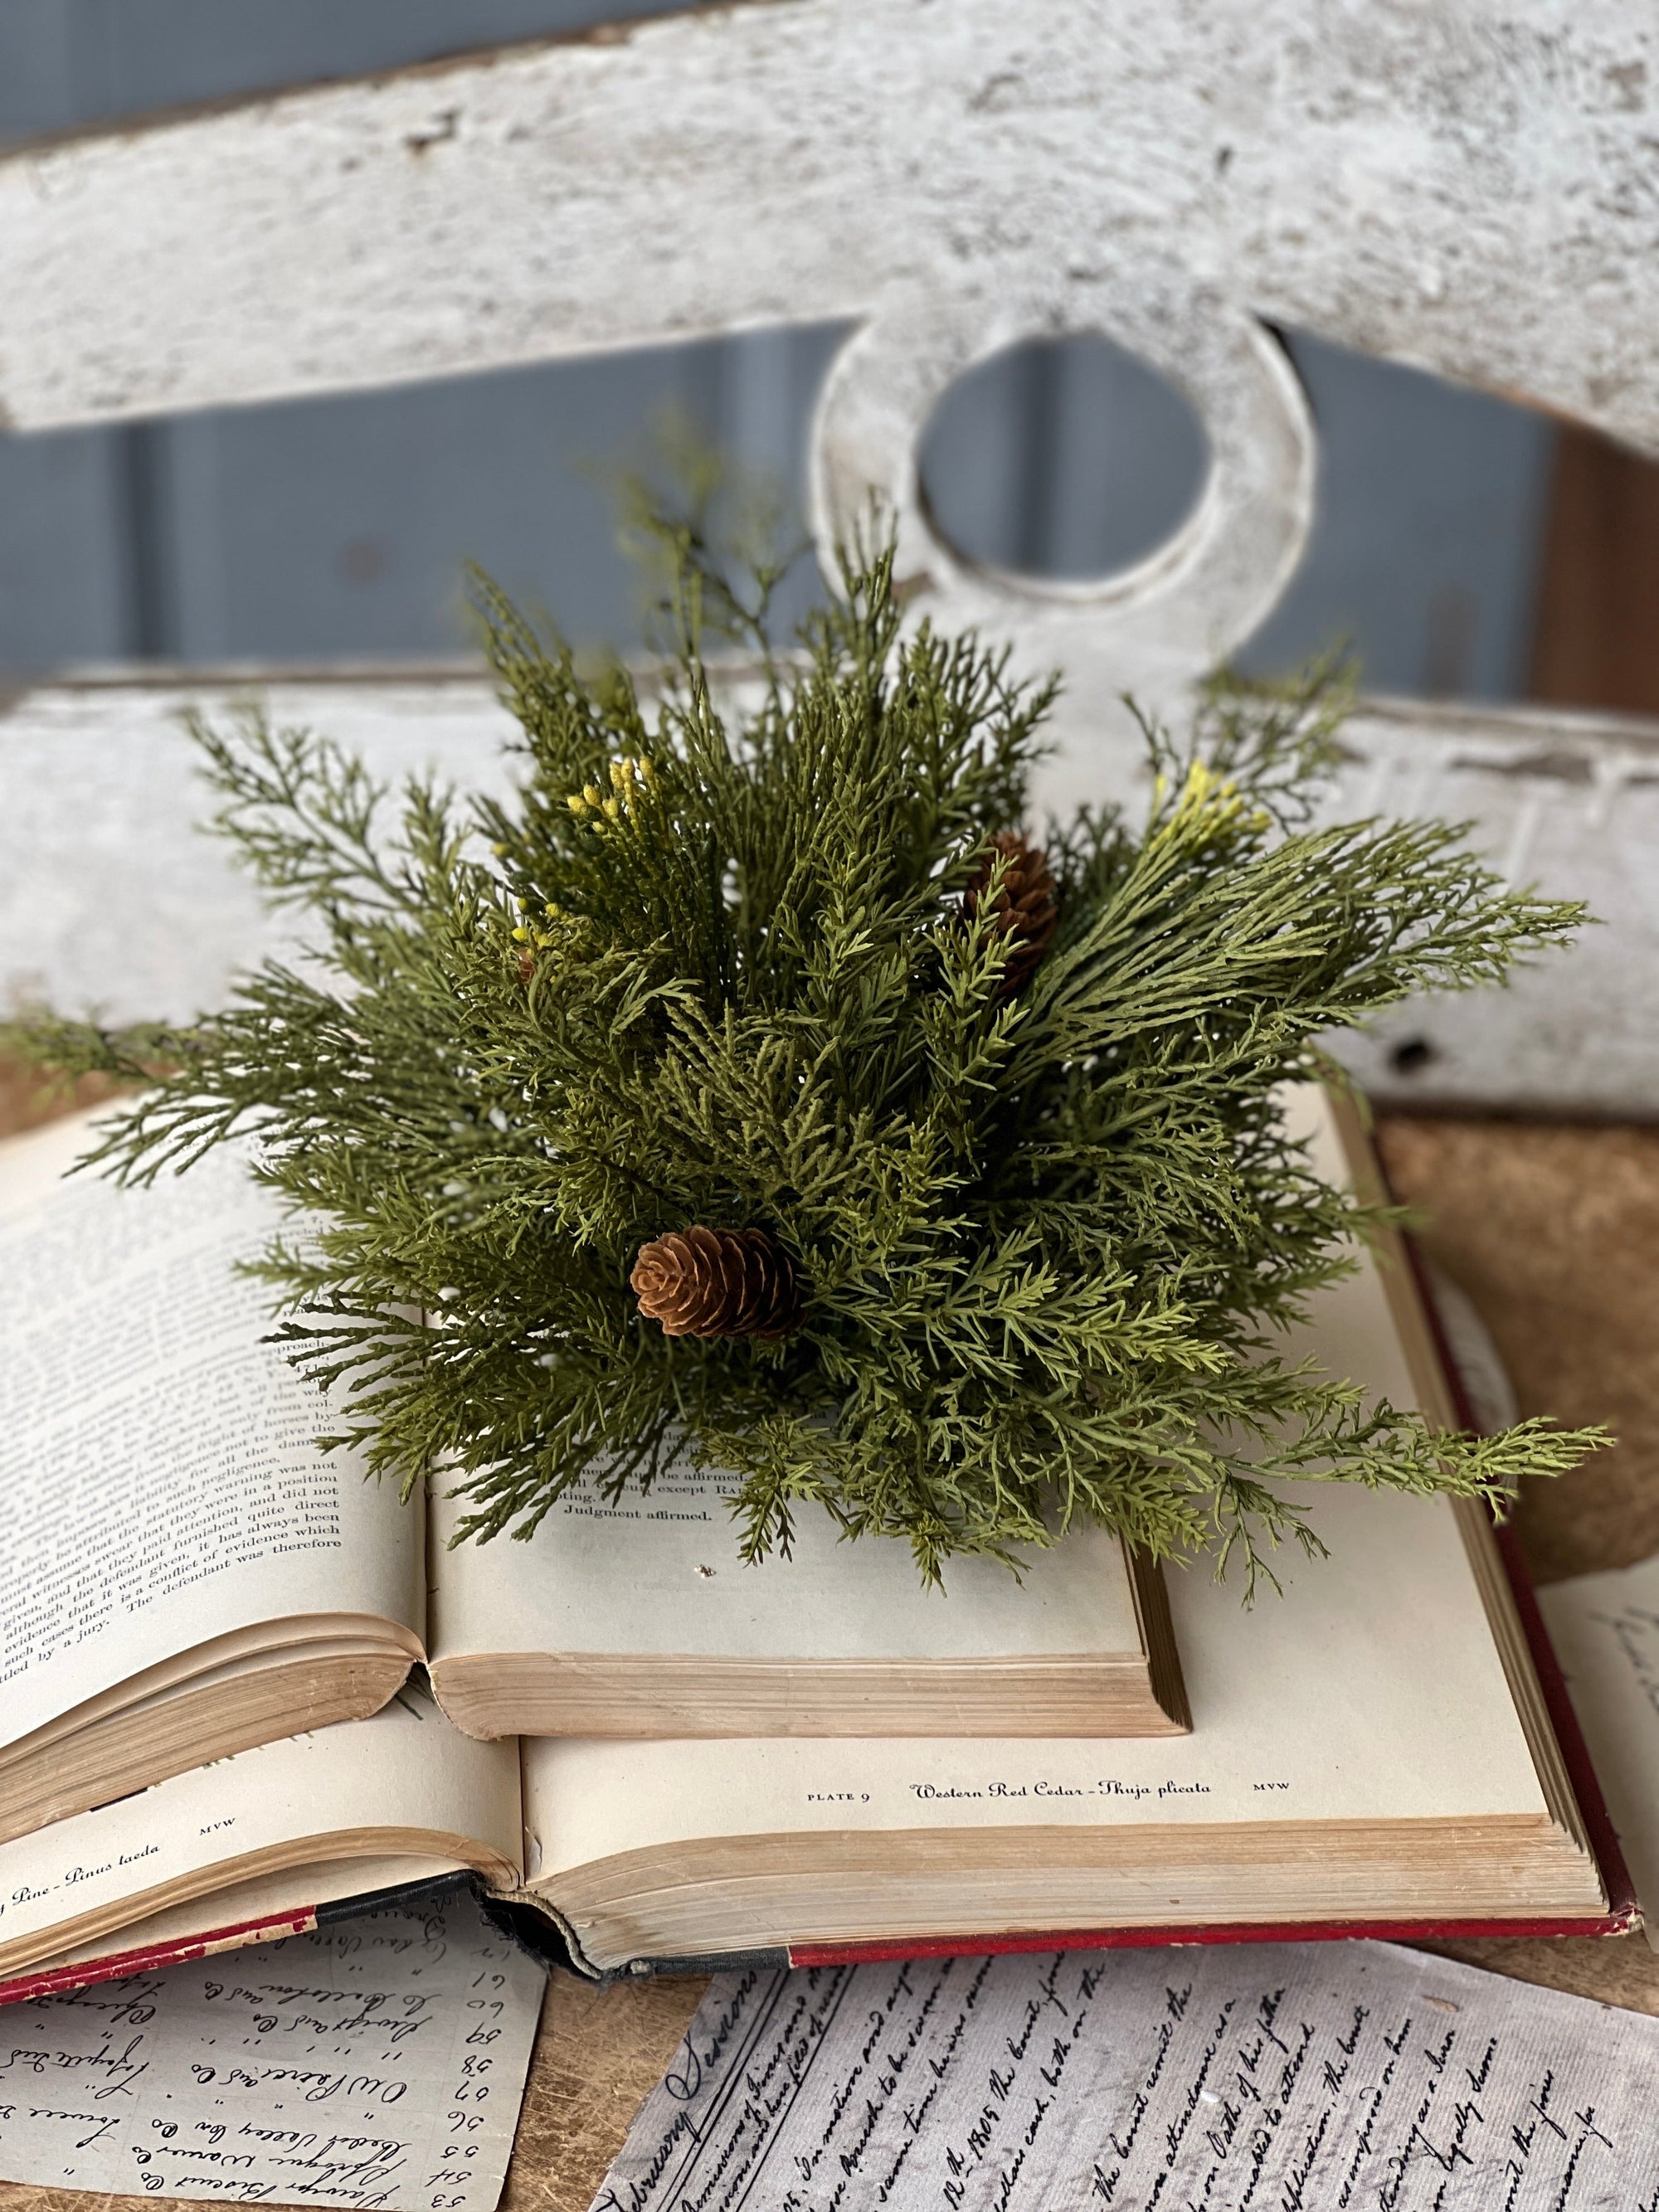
x: 739, y: 960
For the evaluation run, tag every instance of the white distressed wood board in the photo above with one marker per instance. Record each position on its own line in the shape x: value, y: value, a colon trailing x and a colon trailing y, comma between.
x: 110, y: 897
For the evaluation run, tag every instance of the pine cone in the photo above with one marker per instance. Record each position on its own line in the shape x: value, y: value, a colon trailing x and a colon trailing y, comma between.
x: 717, y: 1282
x: 1023, y: 909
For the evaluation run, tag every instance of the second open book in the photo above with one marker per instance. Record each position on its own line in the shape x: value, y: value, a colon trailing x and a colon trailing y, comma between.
x: 1375, y: 1747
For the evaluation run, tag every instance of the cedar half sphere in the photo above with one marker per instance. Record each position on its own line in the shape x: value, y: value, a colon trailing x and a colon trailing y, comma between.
x: 717, y: 1282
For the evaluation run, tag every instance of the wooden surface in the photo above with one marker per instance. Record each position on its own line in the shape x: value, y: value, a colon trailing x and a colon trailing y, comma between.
x: 868, y: 160
x: 1553, y: 1231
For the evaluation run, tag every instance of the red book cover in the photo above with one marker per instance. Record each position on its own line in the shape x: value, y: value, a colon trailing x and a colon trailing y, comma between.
x: 59, y: 1981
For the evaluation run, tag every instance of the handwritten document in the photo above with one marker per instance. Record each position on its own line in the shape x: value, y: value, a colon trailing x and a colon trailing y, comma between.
x: 379, y: 2063
x: 1605, y: 1629
x: 1282, y: 2078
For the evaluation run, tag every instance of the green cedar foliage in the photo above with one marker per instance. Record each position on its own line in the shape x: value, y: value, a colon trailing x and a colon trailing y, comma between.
x: 713, y: 967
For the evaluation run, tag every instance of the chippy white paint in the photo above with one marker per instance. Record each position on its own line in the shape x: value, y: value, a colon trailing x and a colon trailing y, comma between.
x: 1453, y: 182
x: 1152, y: 627
x: 1466, y: 185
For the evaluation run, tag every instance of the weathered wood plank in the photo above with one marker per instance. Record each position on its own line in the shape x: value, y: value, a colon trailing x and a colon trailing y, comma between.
x: 1468, y: 186
x: 1568, y: 802
x: 108, y: 898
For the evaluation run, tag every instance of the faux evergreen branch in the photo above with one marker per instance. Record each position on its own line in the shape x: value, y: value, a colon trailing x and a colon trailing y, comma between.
x: 757, y: 1082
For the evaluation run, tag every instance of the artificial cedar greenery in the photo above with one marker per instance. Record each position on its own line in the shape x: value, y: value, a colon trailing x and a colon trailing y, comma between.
x: 760, y: 969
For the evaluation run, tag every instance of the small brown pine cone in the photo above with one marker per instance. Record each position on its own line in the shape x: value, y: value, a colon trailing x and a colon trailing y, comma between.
x: 717, y: 1282
x: 1024, y: 908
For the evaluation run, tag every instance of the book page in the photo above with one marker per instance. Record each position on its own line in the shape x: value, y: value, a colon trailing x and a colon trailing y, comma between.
x: 1605, y: 1629
x: 1373, y: 1691
x: 156, y: 1457
x: 379, y: 2062
x: 660, y: 1573
x: 406, y: 1769
x: 1289, y: 2076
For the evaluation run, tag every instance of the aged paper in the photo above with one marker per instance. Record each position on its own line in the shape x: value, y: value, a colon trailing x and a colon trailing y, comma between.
x: 380, y: 2063
x: 1282, y: 2078
x: 1605, y: 1629
x: 157, y: 1456
x: 660, y: 1572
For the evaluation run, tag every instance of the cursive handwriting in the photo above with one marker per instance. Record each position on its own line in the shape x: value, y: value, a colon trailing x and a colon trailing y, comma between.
x: 375, y: 2065
x: 1277, y: 2079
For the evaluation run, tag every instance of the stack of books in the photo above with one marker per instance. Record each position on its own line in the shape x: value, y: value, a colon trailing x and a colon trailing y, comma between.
x: 241, y: 1687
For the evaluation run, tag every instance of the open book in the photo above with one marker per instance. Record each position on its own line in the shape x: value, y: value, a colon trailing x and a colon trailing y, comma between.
x: 1375, y: 1751
x: 189, y: 1576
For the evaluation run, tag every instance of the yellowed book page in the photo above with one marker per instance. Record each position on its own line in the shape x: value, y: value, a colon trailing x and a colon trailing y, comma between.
x: 406, y: 1769
x: 157, y: 1459
x: 661, y: 1574
x: 1605, y: 1629
x: 1372, y: 1691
